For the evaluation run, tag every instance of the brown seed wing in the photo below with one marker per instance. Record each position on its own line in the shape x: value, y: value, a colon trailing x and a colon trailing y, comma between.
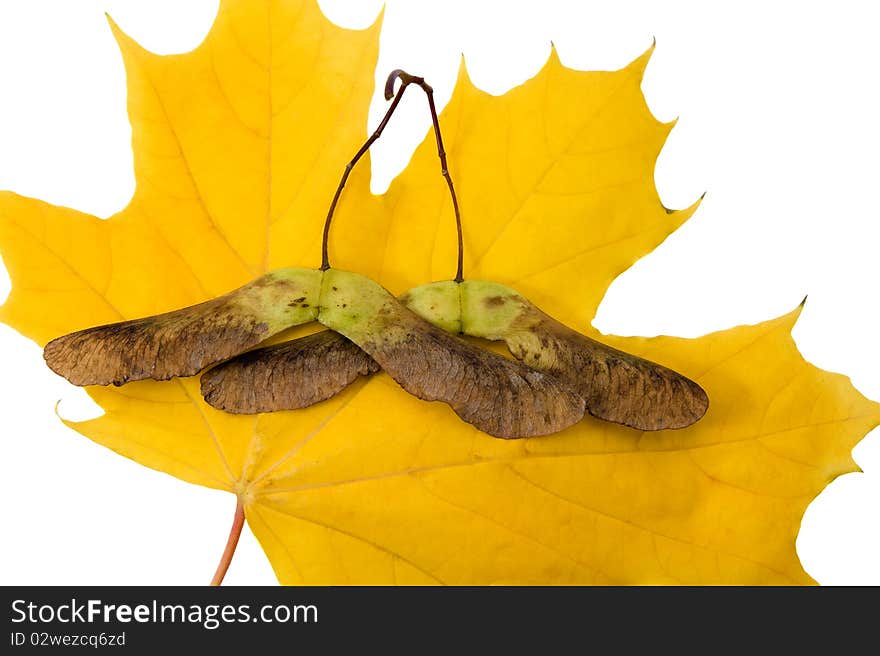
x: 286, y: 376
x: 178, y: 343
x: 500, y: 397
x: 615, y: 385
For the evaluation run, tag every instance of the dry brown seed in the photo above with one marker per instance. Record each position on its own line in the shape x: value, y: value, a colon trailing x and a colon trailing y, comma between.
x: 183, y: 342
x: 616, y: 386
x: 286, y: 376
x: 499, y: 396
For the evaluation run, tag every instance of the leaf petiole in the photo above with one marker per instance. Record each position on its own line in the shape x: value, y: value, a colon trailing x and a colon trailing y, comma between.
x: 231, y: 543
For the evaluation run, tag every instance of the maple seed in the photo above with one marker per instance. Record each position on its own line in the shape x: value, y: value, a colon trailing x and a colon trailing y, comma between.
x: 287, y: 376
x: 501, y: 397
x: 185, y: 341
x: 616, y: 386
x: 498, y: 396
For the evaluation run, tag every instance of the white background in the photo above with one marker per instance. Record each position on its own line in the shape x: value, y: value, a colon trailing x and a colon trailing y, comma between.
x: 778, y: 123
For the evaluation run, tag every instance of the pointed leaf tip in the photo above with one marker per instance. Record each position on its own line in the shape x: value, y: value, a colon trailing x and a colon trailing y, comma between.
x: 553, y: 57
x: 792, y: 316
x: 123, y: 40
x: 463, y: 78
x: 640, y: 63
x: 378, y: 21
x: 686, y: 212
x: 114, y: 26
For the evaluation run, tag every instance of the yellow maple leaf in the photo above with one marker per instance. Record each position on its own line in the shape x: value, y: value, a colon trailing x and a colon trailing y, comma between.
x: 238, y: 148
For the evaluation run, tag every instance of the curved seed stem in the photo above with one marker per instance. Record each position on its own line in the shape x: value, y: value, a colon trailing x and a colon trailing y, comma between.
x: 231, y: 543
x: 325, y: 260
x: 444, y: 170
x: 406, y: 79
